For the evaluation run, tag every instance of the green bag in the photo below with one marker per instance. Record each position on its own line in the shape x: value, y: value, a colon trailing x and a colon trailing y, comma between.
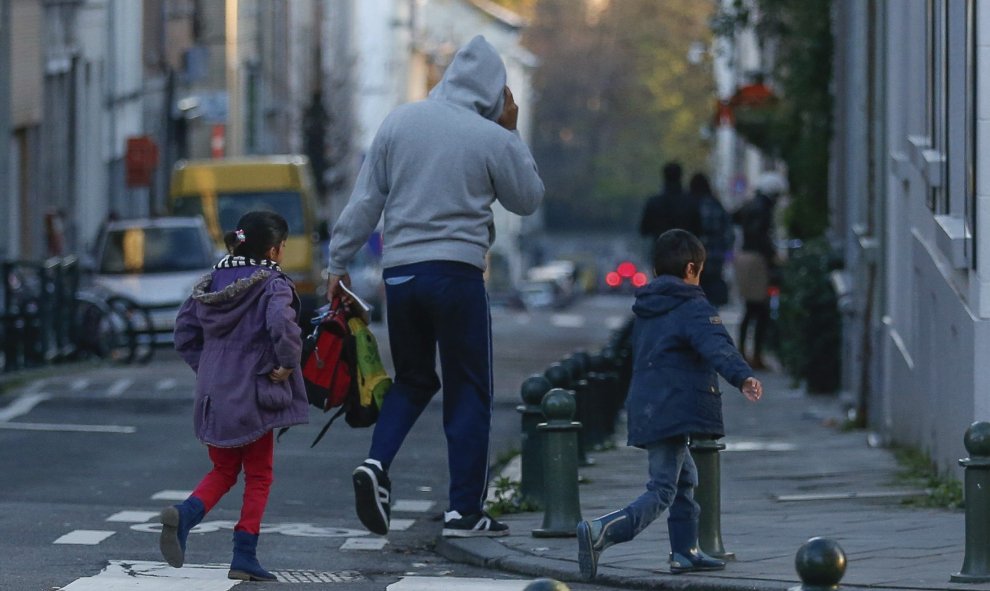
x: 373, y: 381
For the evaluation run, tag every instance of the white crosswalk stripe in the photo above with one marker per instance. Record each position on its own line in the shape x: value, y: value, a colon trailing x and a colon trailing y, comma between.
x: 418, y: 583
x: 141, y: 575
x: 86, y: 537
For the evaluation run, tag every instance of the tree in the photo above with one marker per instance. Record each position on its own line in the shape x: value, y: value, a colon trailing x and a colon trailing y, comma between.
x: 616, y: 97
x: 800, y: 36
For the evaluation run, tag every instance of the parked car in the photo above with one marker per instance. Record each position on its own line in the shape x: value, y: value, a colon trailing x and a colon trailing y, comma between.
x: 154, y: 263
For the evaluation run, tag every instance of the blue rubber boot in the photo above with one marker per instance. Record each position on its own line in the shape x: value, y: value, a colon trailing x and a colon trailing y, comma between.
x: 245, y: 566
x: 177, y: 520
x: 596, y: 535
x: 685, y: 556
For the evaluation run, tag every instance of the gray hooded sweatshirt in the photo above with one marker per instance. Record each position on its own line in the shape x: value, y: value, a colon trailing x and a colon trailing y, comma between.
x: 434, y: 169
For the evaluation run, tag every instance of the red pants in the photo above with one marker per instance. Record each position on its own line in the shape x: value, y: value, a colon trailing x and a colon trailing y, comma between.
x: 256, y: 458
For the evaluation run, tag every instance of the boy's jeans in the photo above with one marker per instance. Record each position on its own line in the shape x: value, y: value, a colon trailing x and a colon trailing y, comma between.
x: 440, y: 306
x: 673, y: 477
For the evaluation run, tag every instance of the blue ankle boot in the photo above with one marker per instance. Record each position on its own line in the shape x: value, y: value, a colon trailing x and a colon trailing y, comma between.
x: 177, y: 520
x: 685, y: 556
x: 596, y: 535
x: 245, y: 566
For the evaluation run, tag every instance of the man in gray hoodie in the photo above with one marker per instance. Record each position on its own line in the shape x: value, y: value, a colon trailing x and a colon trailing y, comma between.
x: 433, y: 171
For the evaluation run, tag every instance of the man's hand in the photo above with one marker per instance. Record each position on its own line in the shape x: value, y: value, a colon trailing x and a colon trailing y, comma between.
x: 334, y: 290
x: 752, y: 389
x: 280, y: 374
x: 510, y: 112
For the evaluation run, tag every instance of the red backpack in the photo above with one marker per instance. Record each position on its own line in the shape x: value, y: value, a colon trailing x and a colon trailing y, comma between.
x: 329, y: 365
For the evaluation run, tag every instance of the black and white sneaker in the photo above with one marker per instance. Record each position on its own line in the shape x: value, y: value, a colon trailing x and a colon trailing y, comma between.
x: 372, y: 494
x: 477, y: 525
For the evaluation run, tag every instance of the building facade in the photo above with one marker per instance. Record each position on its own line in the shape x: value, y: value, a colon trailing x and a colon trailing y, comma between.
x: 909, y: 207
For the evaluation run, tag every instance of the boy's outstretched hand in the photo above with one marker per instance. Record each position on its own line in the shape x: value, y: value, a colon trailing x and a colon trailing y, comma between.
x: 752, y: 389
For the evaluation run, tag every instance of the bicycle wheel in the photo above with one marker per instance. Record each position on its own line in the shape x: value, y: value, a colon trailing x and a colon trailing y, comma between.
x: 102, y: 330
x: 142, y: 333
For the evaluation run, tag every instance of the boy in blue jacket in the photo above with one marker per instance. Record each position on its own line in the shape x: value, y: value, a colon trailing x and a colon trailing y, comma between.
x: 679, y: 348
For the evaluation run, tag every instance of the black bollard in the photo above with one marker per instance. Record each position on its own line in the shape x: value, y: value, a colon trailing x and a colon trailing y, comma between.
x: 561, y: 375
x: 820, y: 564
x: 546, y: 585
x: 976, y: 562
x: 579, y: 385
x: 708, y: 495
x: 531, y: 451
x: 562, y: 508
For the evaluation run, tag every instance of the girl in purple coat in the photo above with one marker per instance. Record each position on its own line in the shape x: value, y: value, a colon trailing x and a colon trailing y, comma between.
x: 240, y: 326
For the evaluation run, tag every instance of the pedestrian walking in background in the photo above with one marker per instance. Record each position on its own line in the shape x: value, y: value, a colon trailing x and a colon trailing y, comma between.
x: 717, y: 235
x: 239, y: 333
x: 679, y: 348
x: 756, y: 263
x: 434, y: 169
x: 671, y: 208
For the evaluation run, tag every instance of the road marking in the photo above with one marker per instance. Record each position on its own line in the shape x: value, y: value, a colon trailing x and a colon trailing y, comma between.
x: 614, y: 322
x: 132, y: 516
x: 407, y: 506
x: 119, y: 387
x: 87, y: 537
x: 171, y: 495
x: 302, y: 530
x: 166, y: 384
x: 78, y: 384
x: 364, y: 544
x: 567, y: 320
x: 67, y: 428
x: 22, y: 405
x: 137, y: 575
x: 400, y: 524
x: 418, y: 583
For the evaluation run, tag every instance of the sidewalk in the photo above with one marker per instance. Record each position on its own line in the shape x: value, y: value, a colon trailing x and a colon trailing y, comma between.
x: 788, y: 475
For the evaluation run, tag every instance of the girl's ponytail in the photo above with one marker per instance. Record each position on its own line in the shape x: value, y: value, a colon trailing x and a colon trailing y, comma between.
x: 257, y: 232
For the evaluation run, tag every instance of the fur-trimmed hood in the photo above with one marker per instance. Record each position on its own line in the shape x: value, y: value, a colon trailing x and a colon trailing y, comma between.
x: 226, y: 294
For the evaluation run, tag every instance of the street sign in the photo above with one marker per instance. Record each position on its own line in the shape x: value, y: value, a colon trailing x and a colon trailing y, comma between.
x: 140, y: 160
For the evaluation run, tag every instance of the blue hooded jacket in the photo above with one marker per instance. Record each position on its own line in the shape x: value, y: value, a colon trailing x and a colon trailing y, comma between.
x: 679, y: 348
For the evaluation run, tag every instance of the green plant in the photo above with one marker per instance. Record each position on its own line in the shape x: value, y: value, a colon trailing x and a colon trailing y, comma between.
x: 809, y: 328
x: 917, y: 468
x: 507, y: 498
x: 798, y: 127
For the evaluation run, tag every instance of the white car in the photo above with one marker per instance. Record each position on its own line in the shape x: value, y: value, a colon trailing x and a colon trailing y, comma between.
x: 154, y: 263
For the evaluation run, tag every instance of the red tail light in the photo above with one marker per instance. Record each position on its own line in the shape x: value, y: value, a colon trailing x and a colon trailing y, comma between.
x: 612, y: 279
x: 639, y: 279
x: 626, y: 270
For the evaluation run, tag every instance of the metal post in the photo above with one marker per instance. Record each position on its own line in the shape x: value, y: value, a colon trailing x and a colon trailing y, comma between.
x: 579, y: 386
x: 976, y: 563
x: 560, y: 376
x: 562, y: 507
x: 531, y: 449
x: 708, y: 495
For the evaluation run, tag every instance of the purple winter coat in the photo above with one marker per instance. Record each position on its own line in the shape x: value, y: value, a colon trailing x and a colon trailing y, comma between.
x: 238, y: 325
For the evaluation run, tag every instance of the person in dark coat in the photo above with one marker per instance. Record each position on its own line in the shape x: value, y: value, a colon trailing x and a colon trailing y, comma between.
x: 756, y: 262
x: 679, y: 349
x: 717, y: 235
x: 238, y: 331
x: 671, y: 208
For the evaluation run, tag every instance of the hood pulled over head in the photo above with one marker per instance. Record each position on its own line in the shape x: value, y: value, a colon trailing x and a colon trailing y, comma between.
x: 475, y: 79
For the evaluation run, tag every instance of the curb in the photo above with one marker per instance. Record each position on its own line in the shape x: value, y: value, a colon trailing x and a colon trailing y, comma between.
x: 488, y: 553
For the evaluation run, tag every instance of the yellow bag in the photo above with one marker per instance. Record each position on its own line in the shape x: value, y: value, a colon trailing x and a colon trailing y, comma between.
x: 373, y: 381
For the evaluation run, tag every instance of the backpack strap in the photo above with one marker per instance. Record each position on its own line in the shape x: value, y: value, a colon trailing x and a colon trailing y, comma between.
x: 323, y: 431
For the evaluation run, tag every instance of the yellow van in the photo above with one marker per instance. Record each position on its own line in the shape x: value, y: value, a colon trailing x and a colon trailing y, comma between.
x: 222, y: 190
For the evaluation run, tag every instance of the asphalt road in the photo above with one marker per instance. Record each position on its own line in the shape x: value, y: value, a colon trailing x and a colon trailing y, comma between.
x: 91, y: 454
